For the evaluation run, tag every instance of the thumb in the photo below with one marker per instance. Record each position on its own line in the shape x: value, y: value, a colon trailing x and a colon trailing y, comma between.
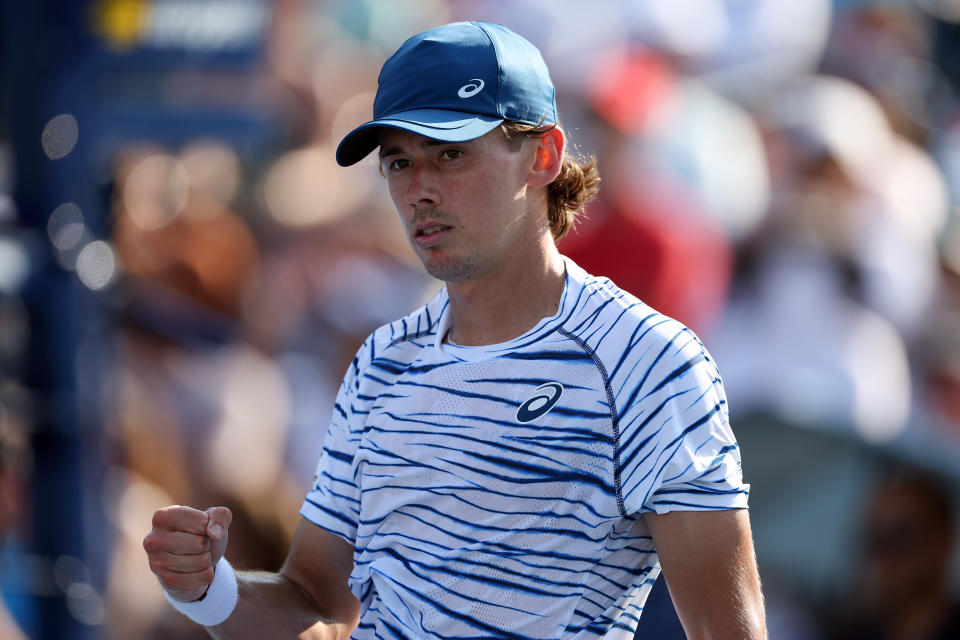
x: 218, y: 522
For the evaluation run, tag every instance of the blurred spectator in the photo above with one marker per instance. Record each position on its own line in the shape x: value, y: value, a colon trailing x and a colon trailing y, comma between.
x: 226, y: 352
x: 670, y: 203
x: 768, y: 179
x: 903, y: 589
x: 195, y: 414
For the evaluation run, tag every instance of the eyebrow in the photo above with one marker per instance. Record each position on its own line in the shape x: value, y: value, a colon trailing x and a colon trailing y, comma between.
x: 428, y: 142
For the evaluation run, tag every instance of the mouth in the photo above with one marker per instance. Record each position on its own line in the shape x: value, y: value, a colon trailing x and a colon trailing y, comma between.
x: 430, y: 234
x: 431, y: 230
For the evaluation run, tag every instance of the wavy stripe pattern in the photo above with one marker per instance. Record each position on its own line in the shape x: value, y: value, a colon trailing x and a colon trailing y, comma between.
x: 469, y: 524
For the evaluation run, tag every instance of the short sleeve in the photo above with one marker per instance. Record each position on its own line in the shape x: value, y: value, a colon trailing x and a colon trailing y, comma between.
x: 678, y: 451
x: 333, y: 501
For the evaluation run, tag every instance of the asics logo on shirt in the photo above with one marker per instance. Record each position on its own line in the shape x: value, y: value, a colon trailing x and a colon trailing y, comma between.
x: 472, y: 88
x: 541, y: 402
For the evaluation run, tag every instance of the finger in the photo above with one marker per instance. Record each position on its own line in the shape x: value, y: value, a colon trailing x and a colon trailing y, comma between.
x: 218, y: 521
x: 165, y: 563
x: 176, y: 542
x: 179, y: 518
x: 218, y: 524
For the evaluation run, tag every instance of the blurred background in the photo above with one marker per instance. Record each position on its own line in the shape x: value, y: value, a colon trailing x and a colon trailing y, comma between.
x: 185, y: 274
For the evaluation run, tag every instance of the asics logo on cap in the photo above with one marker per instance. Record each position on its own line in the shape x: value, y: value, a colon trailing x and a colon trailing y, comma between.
x: 541, y: 402
x: 472, y: 88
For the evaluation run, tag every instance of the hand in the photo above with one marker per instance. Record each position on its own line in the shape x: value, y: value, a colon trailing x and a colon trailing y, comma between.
x: 184, y: 546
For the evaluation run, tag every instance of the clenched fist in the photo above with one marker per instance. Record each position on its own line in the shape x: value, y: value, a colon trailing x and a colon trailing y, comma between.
x: 183, y: 547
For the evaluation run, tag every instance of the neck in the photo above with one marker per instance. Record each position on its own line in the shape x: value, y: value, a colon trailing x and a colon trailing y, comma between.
x: 501, y: 305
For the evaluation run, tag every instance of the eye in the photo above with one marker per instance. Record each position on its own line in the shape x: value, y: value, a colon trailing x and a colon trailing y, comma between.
x: 451, y: 154
x: 398, y: 164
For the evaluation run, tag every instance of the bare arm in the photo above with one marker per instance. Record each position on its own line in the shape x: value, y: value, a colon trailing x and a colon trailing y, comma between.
x: 711, y: 571
x: 307, y: 599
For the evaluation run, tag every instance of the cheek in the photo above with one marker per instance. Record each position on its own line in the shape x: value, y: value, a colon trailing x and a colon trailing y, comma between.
x: 396, y: 191
x: 480, y: 191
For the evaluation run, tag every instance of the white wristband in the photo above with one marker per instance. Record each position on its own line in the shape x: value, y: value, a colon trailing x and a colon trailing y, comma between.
x: 219, y: 602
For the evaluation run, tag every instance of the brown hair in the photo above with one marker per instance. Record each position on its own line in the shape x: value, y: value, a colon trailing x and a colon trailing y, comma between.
x: 577, y: 183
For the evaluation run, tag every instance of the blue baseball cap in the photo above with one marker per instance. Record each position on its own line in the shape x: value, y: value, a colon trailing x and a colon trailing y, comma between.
x: 455, y: 83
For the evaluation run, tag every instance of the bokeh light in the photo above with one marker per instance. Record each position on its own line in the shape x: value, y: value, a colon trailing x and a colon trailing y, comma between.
x: 213, y: 171
x: 782, y: 176
x: 84, y: 603
x: 156, y: 190
x: 60, y: 136
x: 65, y: 227
x: 14, y: 265
x: 96, y: 265
x: 303, y: 189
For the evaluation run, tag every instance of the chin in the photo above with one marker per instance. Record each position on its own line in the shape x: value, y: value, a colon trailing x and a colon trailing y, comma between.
x: 450, y: 269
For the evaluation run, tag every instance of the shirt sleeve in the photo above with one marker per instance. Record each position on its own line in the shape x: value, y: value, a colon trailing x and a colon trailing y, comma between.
x: 678, y: 452
x: 333, y: 501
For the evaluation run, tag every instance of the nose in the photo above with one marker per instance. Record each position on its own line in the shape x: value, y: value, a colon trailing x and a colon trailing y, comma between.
x: 422, y: 188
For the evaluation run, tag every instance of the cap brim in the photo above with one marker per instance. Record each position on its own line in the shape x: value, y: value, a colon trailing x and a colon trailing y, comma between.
x: 436, y: 124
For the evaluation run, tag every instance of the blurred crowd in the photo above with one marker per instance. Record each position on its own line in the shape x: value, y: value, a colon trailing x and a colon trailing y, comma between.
x: 782, y: 176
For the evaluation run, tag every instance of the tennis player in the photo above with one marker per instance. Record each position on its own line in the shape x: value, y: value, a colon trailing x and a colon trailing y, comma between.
x: 521, y: 456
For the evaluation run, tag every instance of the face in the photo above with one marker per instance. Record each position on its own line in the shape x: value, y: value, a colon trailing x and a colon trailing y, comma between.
x: 908, y: 548
x: 465, y: 206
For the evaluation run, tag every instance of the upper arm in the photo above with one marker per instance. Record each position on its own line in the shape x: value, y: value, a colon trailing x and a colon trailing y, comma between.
x: 320, y: 563
x: 709, y: 564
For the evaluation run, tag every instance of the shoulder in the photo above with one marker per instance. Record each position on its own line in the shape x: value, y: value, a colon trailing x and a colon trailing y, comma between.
x: 607, y: 318
x: 626, y: 336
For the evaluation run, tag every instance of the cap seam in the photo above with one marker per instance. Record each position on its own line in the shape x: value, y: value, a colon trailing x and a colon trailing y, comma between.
x: 500, y: 73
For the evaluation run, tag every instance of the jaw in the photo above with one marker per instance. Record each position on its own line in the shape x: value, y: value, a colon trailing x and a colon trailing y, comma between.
x: 446, y: 266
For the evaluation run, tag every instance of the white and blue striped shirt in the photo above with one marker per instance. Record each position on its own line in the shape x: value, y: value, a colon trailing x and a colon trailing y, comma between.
x: 498, y: 491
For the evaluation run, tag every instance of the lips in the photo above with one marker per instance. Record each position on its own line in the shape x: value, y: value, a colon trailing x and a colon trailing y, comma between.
x: 427, y: 231
x: 429, y: 234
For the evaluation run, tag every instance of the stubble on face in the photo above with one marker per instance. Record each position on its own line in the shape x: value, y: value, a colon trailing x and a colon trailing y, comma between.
x: 456, y: 269
x: 450, y: 268
x: 478, y: 242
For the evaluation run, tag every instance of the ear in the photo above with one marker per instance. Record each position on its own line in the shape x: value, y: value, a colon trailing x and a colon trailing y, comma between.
x: 548, y: 158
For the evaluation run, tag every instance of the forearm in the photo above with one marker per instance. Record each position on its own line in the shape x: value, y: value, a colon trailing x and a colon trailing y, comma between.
x: 748, y: 600
x: 271, y: 605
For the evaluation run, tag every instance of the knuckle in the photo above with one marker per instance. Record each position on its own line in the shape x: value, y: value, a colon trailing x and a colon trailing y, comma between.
x: 193, y: 546
x: 166, y: 517
x: 160, y: 517
x: 151, y: 543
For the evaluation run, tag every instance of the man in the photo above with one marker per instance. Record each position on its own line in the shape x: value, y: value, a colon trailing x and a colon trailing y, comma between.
x: 513, y: 459
x: 903, y: 588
